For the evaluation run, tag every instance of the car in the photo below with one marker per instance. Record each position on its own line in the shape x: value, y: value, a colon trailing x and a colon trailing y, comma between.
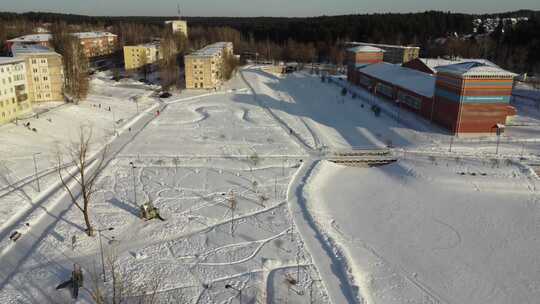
x: 165, y: 95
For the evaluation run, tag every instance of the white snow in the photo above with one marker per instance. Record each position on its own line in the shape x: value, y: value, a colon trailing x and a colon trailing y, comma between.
x: 249, y: 200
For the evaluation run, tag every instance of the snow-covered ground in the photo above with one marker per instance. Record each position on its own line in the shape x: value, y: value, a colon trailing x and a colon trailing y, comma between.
x: 433, y: 231
x: 249, y: 201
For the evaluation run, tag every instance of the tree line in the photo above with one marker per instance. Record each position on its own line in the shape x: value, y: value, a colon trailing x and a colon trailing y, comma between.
x: 321, y: 38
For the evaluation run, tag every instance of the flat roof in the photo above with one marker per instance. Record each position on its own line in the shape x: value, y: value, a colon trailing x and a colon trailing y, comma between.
x: 383, y: 45
x: 46, y: 37
x: 154, y: 45
x: 10, y: 60
x: 409, y: 79
x: 365, y: 49
x: 93, y: 34
x: 32, y: 38
x: 433, y: 63
x: 22, y: 49
x: 211, y: 49
x: 475, y: 69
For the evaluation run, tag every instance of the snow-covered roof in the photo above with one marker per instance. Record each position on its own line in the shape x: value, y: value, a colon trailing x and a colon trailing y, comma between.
x: 9, y: 60
x: 150, y: 45
x: 468, y: 69
x: 47, y: 37
x: 409, y: 79
x: 85, y: 35
x: 21, y: 49
x: 212, y: 49
x: 382, y: 45
x: 433, y: 63
x: 365, y: 49
x: 32, y: 38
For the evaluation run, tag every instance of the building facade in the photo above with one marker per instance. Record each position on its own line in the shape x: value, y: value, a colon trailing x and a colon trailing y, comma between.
x: 469, y: 97
x: 138, y: 56
x: 393, y: 53
x: 203, y: 68
x: 361, y: 56
x: 472, y: 97
x: 96, y: 44
x: 178, y: 26
x: 44, y: 72
x: 14, y: 100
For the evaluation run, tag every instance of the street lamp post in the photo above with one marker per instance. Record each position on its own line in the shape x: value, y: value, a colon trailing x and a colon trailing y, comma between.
x: 36, y: 170
x: 134, y: 185
x: 229, y: 286
x: 114, y: 122
x: 101, y: 250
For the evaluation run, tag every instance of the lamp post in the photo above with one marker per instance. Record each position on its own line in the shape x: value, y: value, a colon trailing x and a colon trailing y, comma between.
x: 101, y: 250
x: 229, y: 286
x: 114, y: 122
x: 36, y: 170
x: 134, y: 185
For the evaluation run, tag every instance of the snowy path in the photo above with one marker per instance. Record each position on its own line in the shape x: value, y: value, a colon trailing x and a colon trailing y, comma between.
x: 330, y: 267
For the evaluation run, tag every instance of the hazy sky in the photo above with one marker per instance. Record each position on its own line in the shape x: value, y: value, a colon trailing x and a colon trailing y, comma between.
x: 260, y: 7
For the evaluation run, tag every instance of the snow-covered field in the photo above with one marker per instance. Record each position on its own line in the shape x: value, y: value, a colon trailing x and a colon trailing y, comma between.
x: 433, y: 230
x: 249, y: 202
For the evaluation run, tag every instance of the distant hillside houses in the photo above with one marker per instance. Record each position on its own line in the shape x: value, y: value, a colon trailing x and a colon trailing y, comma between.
x: 488, y: 25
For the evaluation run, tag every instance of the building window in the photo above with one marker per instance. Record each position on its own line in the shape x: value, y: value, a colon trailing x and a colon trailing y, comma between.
x: 412, y: 101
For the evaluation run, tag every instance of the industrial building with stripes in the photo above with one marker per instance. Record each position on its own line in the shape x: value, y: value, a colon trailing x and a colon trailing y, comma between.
x: 462, y: 96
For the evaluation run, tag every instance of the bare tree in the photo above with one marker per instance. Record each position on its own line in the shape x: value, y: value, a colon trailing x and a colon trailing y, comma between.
x: 76, y: 81
x: 230, y: 64
x: 83, y: 173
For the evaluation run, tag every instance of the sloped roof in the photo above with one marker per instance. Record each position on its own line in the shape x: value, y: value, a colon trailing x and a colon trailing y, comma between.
x: 467, y: 69
x: 365, y: 49
x: 409, y: 79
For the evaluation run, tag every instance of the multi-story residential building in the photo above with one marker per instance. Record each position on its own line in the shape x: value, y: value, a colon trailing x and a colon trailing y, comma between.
x: 178, y: 26
x: 14, y: 101
x: 97, y: 44
x: 44, y: 72
x: 203, y: 68
x: 137, y: 56
x: 393, y: 53
x: 94, y: 43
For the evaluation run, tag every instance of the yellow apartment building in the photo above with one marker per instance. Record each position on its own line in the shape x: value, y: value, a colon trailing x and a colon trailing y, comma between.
x: 137, y: 56
x: 203, y: 68
x: 44, y: 72
x: 14, y: 101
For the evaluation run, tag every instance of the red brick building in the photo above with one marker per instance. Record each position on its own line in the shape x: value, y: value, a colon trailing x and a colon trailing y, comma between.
x: 469, y: 97
x: 361, y: 56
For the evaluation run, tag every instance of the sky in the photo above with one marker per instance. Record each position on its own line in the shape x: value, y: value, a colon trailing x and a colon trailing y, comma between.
x: 250, y: 8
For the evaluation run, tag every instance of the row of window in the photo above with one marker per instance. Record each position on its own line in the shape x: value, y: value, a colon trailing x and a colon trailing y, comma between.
x: 6, y: 91
x: 412, y: 101
x: 7, y: 102
x: 37, y: 79
x: 35, y: 61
